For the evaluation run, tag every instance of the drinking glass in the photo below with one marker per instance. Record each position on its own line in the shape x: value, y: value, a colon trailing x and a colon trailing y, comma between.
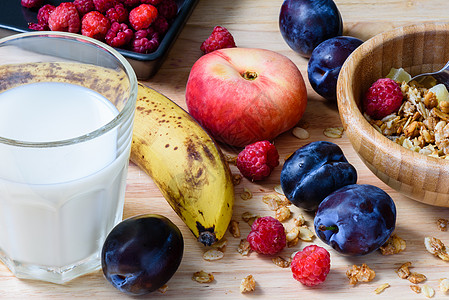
x: 66, y: 114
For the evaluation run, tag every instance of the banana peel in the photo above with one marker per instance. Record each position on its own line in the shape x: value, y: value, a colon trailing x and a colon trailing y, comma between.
x: 185, y: 163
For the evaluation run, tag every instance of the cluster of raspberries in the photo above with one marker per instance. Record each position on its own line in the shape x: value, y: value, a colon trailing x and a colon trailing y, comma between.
x: 136, y: 25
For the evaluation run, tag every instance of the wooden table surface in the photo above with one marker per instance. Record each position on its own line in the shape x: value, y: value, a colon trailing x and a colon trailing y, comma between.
x: 254, y: 23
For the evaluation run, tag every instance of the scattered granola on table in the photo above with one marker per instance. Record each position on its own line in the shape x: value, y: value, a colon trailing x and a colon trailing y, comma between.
x: 248, y: 284
x: 361, y: 273
x: 428, y: 291
x: 381, y: 288
x: 394, y: 245
x: 202, y: 277
x: 281, y: 262
x: 403, y: 271
x: 436, y: 247
x: 444, y: 285
x: 442, y: 224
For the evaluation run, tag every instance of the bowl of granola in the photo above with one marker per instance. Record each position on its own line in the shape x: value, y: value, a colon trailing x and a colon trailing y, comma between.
x: 406, y: 144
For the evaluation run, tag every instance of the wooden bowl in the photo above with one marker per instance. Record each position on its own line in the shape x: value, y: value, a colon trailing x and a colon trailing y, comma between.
x: 418, y: 49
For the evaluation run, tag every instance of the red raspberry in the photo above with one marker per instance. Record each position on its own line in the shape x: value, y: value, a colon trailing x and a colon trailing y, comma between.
x: 142, y: 16
x: 257, y: 160
x: 44, y: 13
x: 32, y: 3
x: 382, y: 98
x: 145, y: 43
x: 37, y: 26
x: 267, y: 236
x: 103, y: 5
x: 65, y: 17
x: 152, y: 2
x: 130, y: 3
x: 95, y: 25
x: 160, y: 25
x: 311, y: 265
x: 118, y: 13
x: 220, y: 38
x: 168, y: 9
x: 84, y: 6
x: 119, y: 35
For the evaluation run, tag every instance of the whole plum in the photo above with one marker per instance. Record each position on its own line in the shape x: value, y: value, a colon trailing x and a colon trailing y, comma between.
x: 325, y: 64
x: 356, y: 219
x: 142, y: 253
x: 304, y: 24
x: 313, y: 172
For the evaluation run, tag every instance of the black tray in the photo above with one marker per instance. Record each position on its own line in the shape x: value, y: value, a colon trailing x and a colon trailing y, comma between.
x: 14, y: 19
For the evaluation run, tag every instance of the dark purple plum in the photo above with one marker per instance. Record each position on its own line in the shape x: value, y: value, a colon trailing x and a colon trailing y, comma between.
x: 142, y: 253
x: 313, y: 172
x: 356, y: 219
x: 325, y: 64
x: 304, y: 24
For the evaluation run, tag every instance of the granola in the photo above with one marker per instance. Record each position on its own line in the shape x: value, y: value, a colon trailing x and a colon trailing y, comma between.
x: 281, y: 262
x: 442, y: 224
x: 246, y: 194
x: 381, y: 288
x: 394, y: 245
x: 427, y: 291
x: 234, y: 228
x: 421, y: 124
x: 333, y: 132
x: 248, y: 284
x: 300, y: 133
x: 444, y: 285
x: 213, y: 254
x: 361, y: 273
x: 282, y: 213
x: 202, y: 277
x: 436, y: 247
x: 244, y: 247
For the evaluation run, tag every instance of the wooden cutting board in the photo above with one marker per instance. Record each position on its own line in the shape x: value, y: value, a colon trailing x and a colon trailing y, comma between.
x: 255, y: 24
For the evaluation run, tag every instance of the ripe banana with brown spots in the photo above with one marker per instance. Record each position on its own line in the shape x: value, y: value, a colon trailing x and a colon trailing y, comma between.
x: 185, y: 163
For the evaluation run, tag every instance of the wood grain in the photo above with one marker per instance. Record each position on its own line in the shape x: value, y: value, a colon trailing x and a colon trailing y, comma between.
x: 254, y: 23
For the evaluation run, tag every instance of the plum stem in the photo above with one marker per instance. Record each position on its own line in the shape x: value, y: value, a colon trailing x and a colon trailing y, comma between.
x: 331, y: 228
x: 249, y: 75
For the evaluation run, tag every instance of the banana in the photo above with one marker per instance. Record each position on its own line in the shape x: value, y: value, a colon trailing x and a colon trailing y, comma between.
x: 185, y: 163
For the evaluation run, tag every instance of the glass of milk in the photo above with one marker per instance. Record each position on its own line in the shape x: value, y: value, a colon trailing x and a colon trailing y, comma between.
x: 66, y: 113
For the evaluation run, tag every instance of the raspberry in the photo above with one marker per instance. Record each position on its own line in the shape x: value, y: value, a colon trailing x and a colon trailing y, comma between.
x: 220, y: 38
x: 147, y: 44
x: 118, y: 13
x: 130, y: 3
x: 44, y: 13
x: 95, y: 25
x: 152, y: 2
x: 142, y: 16
x: 160, y: 25
x: 84, y: 6
x: 267, y: 236
x: 311, y: 265
x: 382, y: 98
x: 103, y: 5
x: 65, y: 17
x: 257, y: 160
x: 168, y: 9
x: 37, y: 26
x: 32, y: 3
x: 119, y: 35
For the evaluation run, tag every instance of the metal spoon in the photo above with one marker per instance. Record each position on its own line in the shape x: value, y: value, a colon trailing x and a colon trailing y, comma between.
x: 431, y: 79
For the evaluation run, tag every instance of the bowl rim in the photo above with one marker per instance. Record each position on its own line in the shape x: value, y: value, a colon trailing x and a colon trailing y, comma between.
x: 355, y: 124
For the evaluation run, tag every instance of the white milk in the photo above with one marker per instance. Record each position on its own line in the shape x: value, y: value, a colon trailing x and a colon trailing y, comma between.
x: 57, y: 204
